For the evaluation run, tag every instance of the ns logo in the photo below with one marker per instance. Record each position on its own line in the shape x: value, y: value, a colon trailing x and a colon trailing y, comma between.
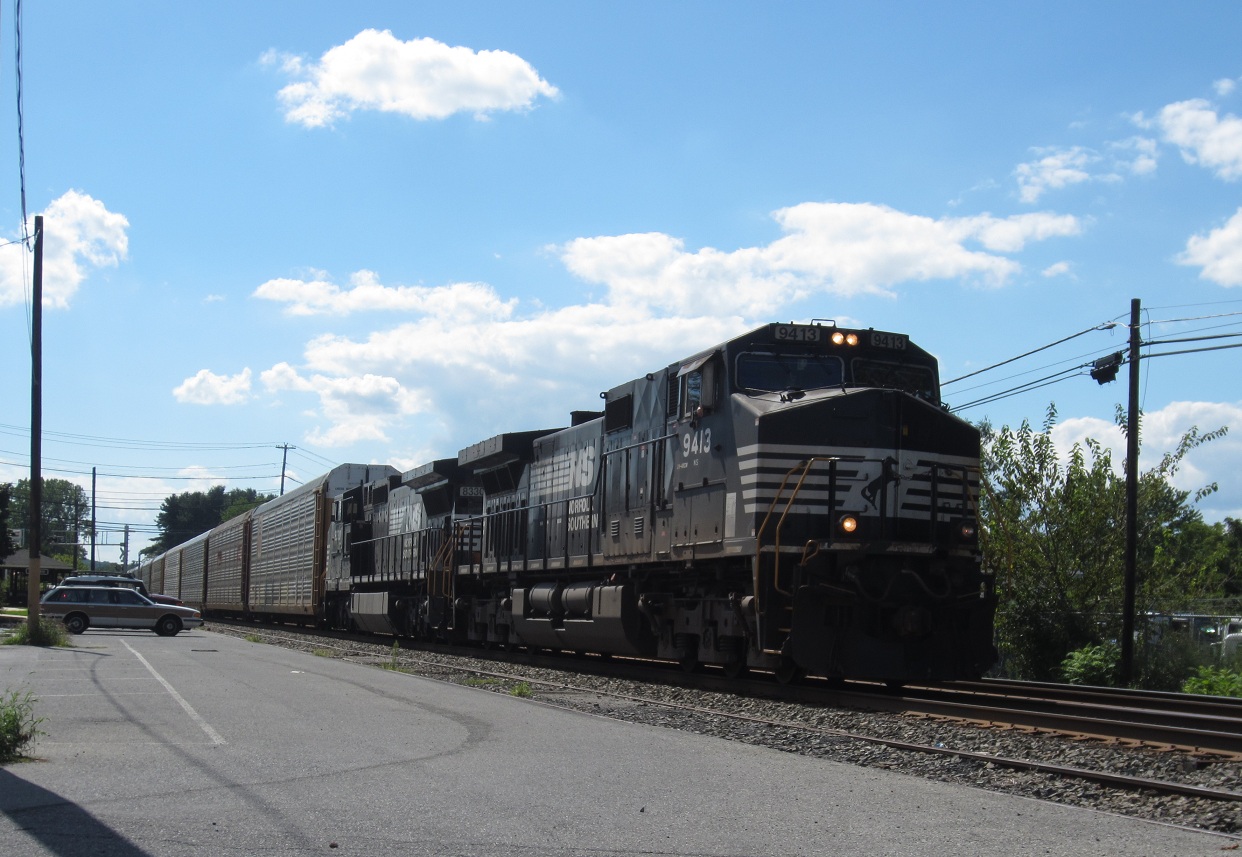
x: 581, y: 466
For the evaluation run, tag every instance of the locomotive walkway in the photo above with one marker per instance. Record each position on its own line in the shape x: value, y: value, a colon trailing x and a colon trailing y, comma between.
x: 205, y: 743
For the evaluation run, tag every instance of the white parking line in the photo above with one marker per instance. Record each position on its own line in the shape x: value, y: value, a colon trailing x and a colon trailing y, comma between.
x: 202, y: 724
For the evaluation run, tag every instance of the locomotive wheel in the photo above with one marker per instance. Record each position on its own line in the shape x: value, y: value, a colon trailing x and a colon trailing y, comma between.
x: 689, y: 646
x: 789, y: 672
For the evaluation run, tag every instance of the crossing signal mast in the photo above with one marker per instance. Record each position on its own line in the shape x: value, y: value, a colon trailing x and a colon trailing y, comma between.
x: 1105, y: 369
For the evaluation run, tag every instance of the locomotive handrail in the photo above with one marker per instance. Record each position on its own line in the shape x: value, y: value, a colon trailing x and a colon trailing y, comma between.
x: 440, y: 566
x: 507, y: 528
x: 805, y: 467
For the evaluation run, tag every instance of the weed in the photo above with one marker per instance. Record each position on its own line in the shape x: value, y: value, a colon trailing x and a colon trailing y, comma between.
x: 322, y: 653
x: 18, y: 725
x: 1214, y: 681
x: 46, y: 633
x: 253, y: 638
x: 1092, y: 665
x: 522, y: 689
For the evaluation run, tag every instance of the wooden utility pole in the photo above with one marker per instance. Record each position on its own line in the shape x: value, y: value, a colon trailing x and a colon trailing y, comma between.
x: 1132, y: 455
x: 34, y: 571
x: 75, y: 547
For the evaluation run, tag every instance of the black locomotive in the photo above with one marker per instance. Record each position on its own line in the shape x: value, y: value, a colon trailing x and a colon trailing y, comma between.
x: 795, y: 499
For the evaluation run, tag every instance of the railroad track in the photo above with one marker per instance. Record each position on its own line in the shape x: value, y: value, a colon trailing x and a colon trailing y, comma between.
x: 1126, y: 721
x: 1202, y: 725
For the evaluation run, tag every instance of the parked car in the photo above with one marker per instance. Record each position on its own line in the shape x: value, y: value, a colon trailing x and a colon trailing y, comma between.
x: 119, y: 580
x: 82, y: 607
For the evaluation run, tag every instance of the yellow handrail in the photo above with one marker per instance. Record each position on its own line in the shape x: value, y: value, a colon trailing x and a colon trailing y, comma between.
x: 805, y: 467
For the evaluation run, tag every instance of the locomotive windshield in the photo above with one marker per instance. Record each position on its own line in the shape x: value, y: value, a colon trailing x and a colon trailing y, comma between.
x: 775, y: 373
x: 911, y: 378
x: 770, y: 372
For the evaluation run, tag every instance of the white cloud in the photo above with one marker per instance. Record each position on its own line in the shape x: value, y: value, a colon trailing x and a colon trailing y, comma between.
x: 1058, y: 269
x: 833, y: 248
x: 1204, y: 137
x: 357, y: 407
x: 80, y: 234
x: 320, y: 297
x: 1135, y: 155
x: 1219, y: 253
x: 1053, y: 169
x: 421, y: 78
x: 208, y: 388
x: 1225, y: 86
x: 1161, y: 432
x: 660, y: 302
x: 1059, y: 168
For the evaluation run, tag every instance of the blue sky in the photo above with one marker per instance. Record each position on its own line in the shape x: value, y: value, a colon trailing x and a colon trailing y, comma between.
x: 380, y: 232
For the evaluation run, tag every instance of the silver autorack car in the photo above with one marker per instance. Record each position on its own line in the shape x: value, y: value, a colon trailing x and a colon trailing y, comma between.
x: 82, y: 607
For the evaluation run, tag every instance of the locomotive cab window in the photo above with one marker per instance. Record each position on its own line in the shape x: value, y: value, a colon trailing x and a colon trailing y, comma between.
x: 763, y: 372
x: 698, y: 388
x: 910, y: 378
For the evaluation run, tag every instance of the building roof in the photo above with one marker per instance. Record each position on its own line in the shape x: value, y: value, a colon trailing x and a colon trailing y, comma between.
x: 21, y: 560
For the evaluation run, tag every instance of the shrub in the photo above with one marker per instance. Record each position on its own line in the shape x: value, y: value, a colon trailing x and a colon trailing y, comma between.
x: 45, y: 633
x: 18, y: 725
x: 1094, y: 665
x: 1167, y: 662
x: 1214, y: 681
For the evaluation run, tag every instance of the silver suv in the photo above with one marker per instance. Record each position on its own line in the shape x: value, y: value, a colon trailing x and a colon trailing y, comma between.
x: 117, y: 580
x: 82, y: 607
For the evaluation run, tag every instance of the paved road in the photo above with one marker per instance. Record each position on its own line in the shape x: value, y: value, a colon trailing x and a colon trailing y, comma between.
x: 208, y: 744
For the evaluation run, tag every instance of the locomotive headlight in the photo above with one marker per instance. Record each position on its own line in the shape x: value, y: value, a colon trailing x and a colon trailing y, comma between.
x: 968, y: 530
x: 838, y: 337
x: 848, y: 524
x: 841, y: 338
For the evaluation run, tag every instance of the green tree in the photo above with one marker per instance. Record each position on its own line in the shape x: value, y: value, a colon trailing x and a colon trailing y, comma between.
x: 184, y: 516
x: 242, y: 500
x: 1054, y: 533
x: 6, y: 524
x: 65, y: 524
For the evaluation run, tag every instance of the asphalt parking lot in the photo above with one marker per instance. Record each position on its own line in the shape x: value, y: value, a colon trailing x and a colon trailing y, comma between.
x: 205, y: 743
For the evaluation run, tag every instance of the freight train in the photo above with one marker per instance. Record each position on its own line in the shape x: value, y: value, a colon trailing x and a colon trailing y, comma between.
x: 796, y: 499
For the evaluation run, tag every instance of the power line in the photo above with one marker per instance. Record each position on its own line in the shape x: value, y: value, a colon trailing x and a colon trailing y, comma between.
x: 1108, y: 325
x: 1078, y: 370
x: 200, y: 478
x: 124, y: 443
x: 1046, y: 381
x: 21, y: 133
x: 148, y: 467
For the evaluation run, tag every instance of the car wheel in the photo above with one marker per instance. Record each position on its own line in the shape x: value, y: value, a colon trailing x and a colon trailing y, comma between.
x: 168, y: 626
x: 76, y: 623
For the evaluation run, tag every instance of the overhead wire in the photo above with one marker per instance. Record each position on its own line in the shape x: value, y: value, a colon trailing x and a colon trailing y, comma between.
x: 1102, y: 326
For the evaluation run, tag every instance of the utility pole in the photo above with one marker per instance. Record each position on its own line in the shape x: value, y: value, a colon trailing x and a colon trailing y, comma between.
x: 75, y: 550
x: 283, y: 459
x: 1132, y: 454
x: 35, y: 569
x: 125, y: 550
